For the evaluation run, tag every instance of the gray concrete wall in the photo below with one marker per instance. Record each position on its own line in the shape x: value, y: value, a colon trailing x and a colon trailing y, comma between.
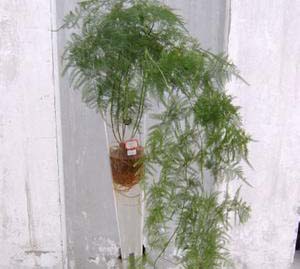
x: 264, y: 44
x: 90, y: 214
x: 31, y: 219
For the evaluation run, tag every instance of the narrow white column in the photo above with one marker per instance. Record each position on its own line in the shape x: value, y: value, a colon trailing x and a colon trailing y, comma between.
x: 130, y: 221
x: 129, y: 208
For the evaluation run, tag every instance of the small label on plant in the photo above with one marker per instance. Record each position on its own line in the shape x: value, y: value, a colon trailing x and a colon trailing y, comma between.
x: 131, y: 152
x: 131, y: 144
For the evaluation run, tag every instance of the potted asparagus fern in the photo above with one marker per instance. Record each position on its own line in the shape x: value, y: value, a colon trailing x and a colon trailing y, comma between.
x: 125, y: 56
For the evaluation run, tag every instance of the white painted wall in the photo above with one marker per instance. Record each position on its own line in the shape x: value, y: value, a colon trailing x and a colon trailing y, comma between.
x: 30, y: 203
x: 264, y: 43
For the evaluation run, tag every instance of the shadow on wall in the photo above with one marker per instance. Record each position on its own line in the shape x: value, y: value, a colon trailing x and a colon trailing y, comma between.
x: 90, y: 213
x: 298, y: 239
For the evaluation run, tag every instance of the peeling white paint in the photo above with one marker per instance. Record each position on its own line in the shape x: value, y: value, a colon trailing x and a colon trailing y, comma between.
x: 264, y: 43
x: 107, y: 252
x: 30, y: 220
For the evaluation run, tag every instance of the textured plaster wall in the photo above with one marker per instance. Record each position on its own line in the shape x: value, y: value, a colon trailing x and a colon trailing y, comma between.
x: 30, y: 203
x: 264, y: 43
x: 91, y: 224
x: 92, y: 234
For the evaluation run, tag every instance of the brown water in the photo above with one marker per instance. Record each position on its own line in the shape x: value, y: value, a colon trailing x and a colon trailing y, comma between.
x: 126, y: 171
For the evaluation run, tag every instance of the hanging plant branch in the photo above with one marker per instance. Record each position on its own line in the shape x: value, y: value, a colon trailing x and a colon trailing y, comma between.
x: 127, y: 54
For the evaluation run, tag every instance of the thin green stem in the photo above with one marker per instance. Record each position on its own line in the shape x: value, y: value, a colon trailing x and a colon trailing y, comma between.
x: 140, y: 108
x: 166, y: 246
x: 118, y: 112
x: 118, y: 138
x: 112, y: 123
x: 125, y: 108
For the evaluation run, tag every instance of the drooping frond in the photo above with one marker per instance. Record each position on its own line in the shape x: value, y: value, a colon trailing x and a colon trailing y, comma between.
x: 125, y: 54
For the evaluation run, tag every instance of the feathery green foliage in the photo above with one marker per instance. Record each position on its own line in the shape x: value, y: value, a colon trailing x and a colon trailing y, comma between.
x: 125, y: 54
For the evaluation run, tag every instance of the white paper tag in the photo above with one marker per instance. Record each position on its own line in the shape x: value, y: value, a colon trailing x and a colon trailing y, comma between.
x: 131, y: 144
x: 131, y: 152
